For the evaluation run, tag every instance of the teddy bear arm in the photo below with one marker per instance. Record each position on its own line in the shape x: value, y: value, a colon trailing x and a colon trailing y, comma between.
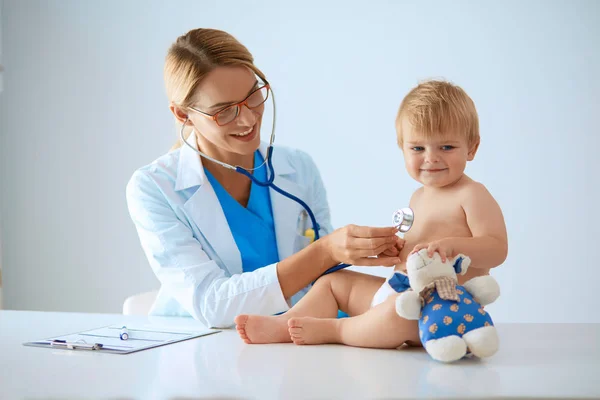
x: 484, y: 289
x: 408, y: 305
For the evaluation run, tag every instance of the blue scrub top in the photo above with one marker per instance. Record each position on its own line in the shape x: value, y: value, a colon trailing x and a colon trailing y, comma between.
x: 253, y: 228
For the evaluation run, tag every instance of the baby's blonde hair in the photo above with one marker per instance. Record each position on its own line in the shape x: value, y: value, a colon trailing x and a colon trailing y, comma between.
x: 193, y: 56
x: 437, y: 108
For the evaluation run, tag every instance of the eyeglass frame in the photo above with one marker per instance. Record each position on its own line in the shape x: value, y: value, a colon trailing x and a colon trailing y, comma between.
x: 238, y: 105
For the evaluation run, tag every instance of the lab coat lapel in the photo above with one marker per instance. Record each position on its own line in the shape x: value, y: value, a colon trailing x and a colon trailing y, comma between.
x: 285, y: 210
x: 205, y: 210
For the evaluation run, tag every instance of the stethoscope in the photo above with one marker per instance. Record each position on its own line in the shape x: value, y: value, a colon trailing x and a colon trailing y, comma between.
x: 402, y: 219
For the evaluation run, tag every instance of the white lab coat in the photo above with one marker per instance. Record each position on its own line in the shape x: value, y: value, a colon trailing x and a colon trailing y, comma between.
x: 189, y: 245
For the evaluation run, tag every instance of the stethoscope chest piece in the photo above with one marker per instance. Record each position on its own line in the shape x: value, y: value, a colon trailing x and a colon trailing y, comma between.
x: 403, y: 219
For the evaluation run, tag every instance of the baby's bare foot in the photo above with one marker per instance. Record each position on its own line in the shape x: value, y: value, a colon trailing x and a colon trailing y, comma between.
x: 256, y: 329
x: 307, y: 330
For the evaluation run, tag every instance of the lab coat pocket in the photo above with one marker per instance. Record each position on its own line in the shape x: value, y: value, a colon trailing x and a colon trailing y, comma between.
x: 301, y: 242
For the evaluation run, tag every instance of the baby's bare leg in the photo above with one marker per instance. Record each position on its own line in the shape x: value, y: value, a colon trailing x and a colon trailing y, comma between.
x: 348, y: 291
x: 380, y: 327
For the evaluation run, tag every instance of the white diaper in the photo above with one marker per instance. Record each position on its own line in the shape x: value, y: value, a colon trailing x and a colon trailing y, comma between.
x: 383, y: 293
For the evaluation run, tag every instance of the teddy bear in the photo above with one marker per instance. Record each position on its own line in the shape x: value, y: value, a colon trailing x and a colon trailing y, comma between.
x: 452, y: 320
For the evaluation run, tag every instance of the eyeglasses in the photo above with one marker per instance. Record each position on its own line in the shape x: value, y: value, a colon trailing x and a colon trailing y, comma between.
x: 254, y: 100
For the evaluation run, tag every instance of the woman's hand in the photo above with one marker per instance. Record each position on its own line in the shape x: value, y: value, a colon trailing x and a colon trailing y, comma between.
x: 395, y: 250
x: 443, y: 247
x: 363, y: 245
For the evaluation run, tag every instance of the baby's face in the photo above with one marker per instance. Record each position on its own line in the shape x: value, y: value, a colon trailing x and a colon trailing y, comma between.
x: 435, y: 162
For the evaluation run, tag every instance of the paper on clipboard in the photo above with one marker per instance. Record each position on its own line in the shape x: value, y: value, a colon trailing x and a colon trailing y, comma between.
x: 141, y: 337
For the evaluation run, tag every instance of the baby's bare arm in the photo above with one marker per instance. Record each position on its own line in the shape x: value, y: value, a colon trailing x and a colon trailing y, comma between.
x: 488, y: 247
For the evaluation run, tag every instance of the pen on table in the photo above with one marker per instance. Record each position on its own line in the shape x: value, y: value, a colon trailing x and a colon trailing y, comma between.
x: 124, y: 333
x: 74, y: 345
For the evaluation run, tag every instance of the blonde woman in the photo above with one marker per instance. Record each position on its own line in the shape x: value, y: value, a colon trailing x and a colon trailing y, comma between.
x: 220, y: 244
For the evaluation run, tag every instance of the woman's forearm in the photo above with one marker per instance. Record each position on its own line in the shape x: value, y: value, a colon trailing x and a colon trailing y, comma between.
x: 304, y: 267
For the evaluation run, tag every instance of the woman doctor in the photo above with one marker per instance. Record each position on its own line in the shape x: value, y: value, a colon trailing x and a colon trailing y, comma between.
x: 219, y: 244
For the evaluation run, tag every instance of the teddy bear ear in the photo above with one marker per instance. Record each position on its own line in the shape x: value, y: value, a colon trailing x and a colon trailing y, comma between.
x: 461, y: 264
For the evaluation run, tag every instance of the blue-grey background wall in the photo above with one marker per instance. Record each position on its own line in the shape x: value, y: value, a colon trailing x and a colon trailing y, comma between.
x: 83, y: 106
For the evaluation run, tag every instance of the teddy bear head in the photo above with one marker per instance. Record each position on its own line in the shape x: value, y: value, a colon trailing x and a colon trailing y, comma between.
x: 423, y: 270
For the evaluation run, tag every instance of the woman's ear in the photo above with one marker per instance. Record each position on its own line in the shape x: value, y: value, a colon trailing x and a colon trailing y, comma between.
x: 180, y: 115
x: 473, y: 151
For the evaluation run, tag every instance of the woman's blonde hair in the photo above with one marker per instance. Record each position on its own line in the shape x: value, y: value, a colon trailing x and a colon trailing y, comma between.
x: 193, y: 56
x: 435, y: 108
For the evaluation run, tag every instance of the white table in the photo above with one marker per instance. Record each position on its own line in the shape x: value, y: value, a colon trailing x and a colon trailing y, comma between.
x: 534, y: 361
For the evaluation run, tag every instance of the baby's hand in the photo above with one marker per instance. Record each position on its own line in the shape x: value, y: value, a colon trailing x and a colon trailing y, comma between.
x: 443, y: 247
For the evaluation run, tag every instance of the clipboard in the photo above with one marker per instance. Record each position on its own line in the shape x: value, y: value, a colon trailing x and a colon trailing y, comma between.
x: 107, y: 339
